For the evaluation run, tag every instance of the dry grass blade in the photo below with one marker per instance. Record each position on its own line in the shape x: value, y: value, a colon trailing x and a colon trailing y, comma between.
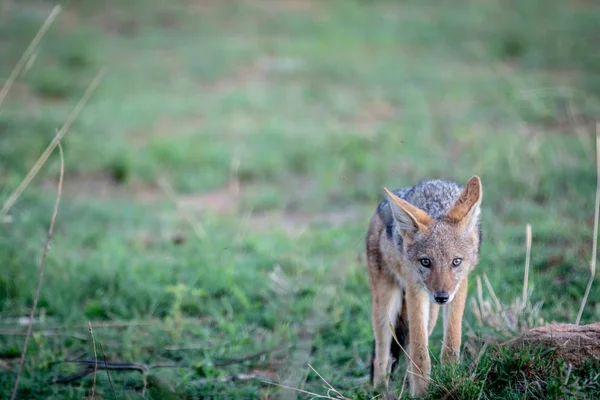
x: 331, y: 389
x: 568, y: 374
x: 108, y: 373
x: 483, y: 384
x: 61, y: 133
x: 486, y: 280
x: 95, y: 360
x: 40, y: 273
x: 595, y: 235
x: 480, y: 296
x: 508, y: 319
x: 403, y: 385
x: 499, y: 308
x: 527, y: 260
x: 196, y: 227
x: 28, y: 52
x: 314, y: 395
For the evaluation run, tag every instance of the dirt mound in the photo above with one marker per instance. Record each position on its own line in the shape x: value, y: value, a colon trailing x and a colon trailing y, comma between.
x: 573, y: 343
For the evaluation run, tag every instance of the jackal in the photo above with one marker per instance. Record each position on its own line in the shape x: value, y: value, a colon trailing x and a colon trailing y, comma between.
x: 421, y: 245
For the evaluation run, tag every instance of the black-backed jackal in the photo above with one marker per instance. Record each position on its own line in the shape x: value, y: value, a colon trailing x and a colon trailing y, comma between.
x: 421, y: 245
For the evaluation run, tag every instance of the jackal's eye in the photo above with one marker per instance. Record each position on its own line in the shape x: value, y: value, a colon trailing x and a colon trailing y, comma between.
x: 456, y: 262
x: 426, y: 262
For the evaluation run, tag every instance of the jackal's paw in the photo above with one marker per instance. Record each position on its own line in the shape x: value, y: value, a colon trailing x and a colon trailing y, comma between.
x: 380, y: 381
x: 418, y: 387
x: 449, y: 356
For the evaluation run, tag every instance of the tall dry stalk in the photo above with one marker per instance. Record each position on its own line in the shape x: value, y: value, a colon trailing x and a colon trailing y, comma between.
x: 40, y: 273
x: 595, y: 235
x: 14, y: 196
x: 513, y: 318
x: 527, y: 260
x: 28, y: 53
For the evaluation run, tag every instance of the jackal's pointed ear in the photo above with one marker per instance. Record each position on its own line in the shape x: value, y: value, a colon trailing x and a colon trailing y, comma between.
x: 466, y: 210
x: 410, y: 219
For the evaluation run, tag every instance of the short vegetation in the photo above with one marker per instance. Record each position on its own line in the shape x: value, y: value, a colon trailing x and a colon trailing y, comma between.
x: 219, y: 183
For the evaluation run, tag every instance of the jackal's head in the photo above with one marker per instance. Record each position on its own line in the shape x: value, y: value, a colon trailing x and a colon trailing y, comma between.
x: 440, y: 252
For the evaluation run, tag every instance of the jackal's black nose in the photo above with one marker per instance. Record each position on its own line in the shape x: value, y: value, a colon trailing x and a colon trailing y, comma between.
x: 441, y: 297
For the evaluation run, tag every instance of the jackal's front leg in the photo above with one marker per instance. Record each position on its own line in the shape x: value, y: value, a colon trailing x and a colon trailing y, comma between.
x: 453, y: 315
x: 386, y: 305
x: 417, y: 304
x: 434, y: 310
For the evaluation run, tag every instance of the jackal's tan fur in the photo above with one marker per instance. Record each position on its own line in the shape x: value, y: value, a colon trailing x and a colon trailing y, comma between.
x: 421, y: 245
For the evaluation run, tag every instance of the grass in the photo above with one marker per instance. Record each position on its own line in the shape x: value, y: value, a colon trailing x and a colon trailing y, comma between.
x: 309, y: 108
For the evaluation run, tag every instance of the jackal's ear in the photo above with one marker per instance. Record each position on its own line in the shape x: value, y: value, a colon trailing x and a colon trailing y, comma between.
x: 411, y: 220
x: 466, y: 210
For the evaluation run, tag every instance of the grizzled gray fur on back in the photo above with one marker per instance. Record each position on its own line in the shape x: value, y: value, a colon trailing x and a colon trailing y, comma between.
x: 435, y: 197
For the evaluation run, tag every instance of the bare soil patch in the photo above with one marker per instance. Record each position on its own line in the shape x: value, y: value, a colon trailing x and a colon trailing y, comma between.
x: 221, y: 201
x: 166, y: 127
x: 101, y: 186
x: 257, y: 72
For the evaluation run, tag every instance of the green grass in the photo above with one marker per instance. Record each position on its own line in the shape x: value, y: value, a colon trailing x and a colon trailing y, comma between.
x: 311, y: 107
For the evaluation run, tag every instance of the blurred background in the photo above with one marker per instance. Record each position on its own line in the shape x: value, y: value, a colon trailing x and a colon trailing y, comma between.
x: 219, y: 182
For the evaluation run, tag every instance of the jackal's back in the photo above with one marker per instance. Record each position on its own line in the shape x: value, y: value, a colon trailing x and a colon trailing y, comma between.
x: 435, y: 197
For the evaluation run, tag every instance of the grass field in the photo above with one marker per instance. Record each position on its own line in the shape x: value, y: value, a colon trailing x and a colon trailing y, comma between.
x: 220, y: 180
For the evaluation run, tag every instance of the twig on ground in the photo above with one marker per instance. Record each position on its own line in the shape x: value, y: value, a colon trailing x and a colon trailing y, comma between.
x: 14, y: 196
x: 90, y: 366
x: 28, y: 52
x: 95, y: 361
x: 10, y: 332
x: 595, y: 235
x: 142, y: 368
x: 41, y: 272
x: 231, y: 361
x: 105, y: 324
x: 108, y: 373
x: 238, y: 377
